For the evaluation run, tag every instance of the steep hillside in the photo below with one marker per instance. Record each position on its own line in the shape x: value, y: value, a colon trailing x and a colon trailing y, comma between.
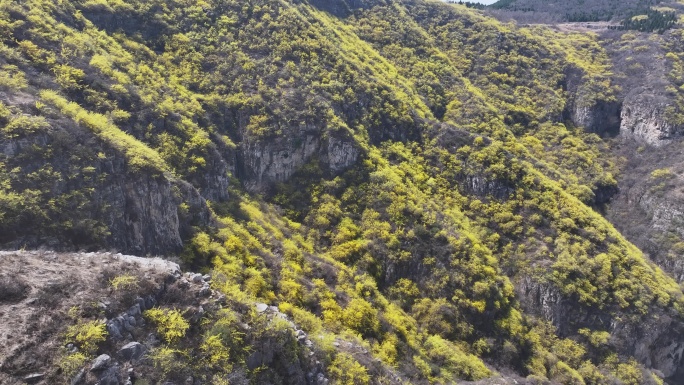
x: 412, y: 184
x: 647, y: 208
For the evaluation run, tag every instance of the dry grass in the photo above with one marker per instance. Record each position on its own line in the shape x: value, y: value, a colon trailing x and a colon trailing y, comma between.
x: 13, y: 288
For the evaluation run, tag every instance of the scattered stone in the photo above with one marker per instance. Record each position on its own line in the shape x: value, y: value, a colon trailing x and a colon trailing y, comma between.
x: 78, y: 378
x: 153, y: 340
x: 197, y: 278
x: 184, y: 283
x: 261, y: 307
x: 274, y: 309
x: 100, y: 363
x: 114, y: 331
x: 321, y: 380
x: 205, y: 291
x: 206, y: 277
x: 150, y: 302
x: 134, y: 310
x: 110, y: 376
x: 34, y: 378
x: 141, y: 304
x: 198, y: 315
x: 131, y: 351
x: 127, y: 325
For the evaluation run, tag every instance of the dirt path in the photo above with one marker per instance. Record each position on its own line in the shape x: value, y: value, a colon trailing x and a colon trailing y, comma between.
x: 597, y: 26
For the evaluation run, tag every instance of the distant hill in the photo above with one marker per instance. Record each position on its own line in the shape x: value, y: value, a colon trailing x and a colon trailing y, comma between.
x: 578, y: 10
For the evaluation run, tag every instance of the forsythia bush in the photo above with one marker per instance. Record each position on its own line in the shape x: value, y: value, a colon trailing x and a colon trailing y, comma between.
x: 87, y: 335
x: 170, y: 323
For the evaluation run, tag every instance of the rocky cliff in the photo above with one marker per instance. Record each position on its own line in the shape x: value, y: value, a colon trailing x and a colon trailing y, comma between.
x: 118, y: 292
x: 644, y: 117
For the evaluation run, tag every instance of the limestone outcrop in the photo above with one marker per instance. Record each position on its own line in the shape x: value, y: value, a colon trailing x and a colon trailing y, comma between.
x: 644, y: 118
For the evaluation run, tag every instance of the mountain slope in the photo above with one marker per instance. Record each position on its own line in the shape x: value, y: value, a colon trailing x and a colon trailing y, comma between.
x: 407, y: 176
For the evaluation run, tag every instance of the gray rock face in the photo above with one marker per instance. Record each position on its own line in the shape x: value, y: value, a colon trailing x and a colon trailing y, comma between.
x: 131, y: 351
x: 544, y: 299
x: 100, y: 363
x: 340, y: 155
x: 214, y: 181
x: 650, y: 211
x: 482, y: 186
x: 111, y: 376
x: 275, y: 160
x: 146, y: 214
x: 643, y: 118
x: 657, y: 342
x: 598, y: 116
x: 197, y: 278
x: 602, y: 118
x: 139, y: 209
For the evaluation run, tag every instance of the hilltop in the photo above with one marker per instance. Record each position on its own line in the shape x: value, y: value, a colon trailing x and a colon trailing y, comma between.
x: 578, y: 10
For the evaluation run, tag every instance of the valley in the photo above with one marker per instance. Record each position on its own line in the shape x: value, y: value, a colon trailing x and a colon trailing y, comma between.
x: 341, y: 192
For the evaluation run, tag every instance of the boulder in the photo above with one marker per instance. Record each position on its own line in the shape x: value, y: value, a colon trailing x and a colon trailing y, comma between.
x: 110, y: 376
x: 34, y: 378
x: 100, y: 363
x: 131, y: 351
